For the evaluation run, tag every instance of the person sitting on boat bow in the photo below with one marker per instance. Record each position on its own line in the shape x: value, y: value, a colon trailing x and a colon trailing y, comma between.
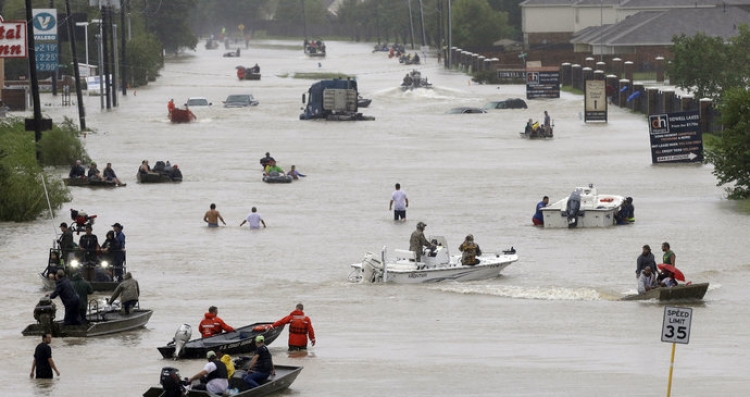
x: 647, y: 281
x: 110, y: 176
x: 128, y: 291
x: 213, y: 376
x: 470, y: 250
x: 418, y: 240
x: 666, y: 279
x: 77, y: 171
x: 261, y: 365
x: 213, y: 325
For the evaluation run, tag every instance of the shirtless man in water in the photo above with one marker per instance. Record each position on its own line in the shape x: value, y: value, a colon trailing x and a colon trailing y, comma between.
x: 212, y: 217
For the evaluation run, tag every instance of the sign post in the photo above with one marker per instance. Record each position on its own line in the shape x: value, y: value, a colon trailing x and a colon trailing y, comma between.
x: 675, y: 329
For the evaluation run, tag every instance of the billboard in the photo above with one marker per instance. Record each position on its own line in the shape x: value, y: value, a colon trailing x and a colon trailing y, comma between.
x: 676, y: 137
x: 595, y: 100
x: 13, y: 43
x: 542, y: 82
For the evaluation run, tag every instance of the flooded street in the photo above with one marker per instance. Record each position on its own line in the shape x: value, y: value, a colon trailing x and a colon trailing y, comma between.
x: 550, y: 325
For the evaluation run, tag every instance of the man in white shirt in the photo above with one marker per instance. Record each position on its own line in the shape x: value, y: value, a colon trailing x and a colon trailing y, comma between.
x: 254, y: 219
x: 401, y: 203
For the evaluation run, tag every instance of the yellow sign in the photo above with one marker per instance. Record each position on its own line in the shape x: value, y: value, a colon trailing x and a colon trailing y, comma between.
x: 241, y: 27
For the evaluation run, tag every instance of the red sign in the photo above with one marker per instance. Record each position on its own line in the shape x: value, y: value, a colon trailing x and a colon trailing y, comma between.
x: 13, y: 39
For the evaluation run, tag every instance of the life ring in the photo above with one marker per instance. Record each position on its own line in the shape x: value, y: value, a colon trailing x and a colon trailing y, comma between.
x: 607, y: 200
x: 262, y: 328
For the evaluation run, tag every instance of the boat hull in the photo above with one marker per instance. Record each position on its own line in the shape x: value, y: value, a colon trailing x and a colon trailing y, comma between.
x: 676, y: 293
x: 88, y: 183
x: 590, y: 219
x: 155, y: 178
x: 284, y: 377
x: 101, y: 323
x: 458, y: 273
x: 242, y: 340
x: 277, y: 178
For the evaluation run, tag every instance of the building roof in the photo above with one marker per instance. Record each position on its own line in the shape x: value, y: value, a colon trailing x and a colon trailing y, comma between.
x: 656, y: 28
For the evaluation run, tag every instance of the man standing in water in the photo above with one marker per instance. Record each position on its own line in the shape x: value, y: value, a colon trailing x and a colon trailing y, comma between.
x: 402, y: 202
x: 254, y: 219
x: 43, y: 362
x: 300, y: 326
x: 538, y: 218
x: 212, y: 217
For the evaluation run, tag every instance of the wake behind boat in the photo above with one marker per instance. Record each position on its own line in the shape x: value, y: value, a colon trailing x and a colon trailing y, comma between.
x: 436, y: 266
x: 678, y: 292
x: 241, y: 340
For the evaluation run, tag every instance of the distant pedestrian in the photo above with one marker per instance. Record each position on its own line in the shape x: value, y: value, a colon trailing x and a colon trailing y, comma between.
x: 212, y: 217
x: 399, y: 203
x: 43, y: 363
x: 254, y: 219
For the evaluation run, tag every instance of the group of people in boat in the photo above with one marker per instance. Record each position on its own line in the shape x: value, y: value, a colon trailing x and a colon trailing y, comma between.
x: 534, y: 129
x: 314, y: 46
x: 418, y: 242
x: 90, y: 253
x: 161, y: 167
x: 215, y: 375
x: 270, y: 168
x: 650, y: 275
x: 171, y: 108
x: 93, y: 174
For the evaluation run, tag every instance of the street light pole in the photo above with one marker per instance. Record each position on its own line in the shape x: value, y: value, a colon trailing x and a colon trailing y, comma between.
x: 86, y: 39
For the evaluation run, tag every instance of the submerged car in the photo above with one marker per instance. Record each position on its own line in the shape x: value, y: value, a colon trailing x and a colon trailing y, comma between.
x: 197, y: 101
x: 512, y: 103
x: 465, y: 110
x: 240, y: 101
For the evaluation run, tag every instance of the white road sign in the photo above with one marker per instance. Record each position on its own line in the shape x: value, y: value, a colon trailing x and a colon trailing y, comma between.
x: 676, y: 325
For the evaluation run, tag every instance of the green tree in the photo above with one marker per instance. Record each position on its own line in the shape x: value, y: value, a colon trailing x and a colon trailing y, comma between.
x: 699, y: 65
x: 144, y: 59
x: 475, y: 23
x: 731, y: 154
x: 169, y: 22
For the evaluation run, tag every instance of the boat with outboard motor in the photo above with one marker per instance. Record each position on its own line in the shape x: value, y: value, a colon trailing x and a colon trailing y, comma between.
x: 179, y: 116
x: 585, y: 207
x: 84, y: 181
x: 248, y: 73
x: 103, y: 320
x: 101, y: 277
x: 413, y: 80
x: 436, y: 265
x: 282, y: 377
x: 241, y: 340
x: 363, y: 102
x: 678, y: 292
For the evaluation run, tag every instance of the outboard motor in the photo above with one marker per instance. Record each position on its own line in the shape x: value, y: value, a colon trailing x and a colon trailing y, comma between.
x: 573, y: 208
x: 44, y: 313
x: 372, y: 268
x: 181, y: 337
x: 171, y: 382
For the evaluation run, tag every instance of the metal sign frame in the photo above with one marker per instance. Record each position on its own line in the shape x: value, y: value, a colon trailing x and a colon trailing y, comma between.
x: 676, y: 325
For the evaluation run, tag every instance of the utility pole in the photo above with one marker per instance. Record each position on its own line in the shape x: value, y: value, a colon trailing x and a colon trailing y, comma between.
x: 123, y: 64
x: 54, y: 72
x: 106, y: 33
x: 34, y: 77
x: 76, y: 71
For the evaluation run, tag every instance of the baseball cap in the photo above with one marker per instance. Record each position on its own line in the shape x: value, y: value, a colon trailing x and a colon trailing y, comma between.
x: 260, y: 338
x: 210, y: 354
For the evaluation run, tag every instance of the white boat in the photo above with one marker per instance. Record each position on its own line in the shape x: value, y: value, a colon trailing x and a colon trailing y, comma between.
x: 585, y: 207
x: 436, y: 265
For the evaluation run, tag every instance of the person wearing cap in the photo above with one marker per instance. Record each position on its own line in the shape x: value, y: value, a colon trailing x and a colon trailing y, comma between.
x: 261, y: 365
x: 266, y: 160
x: 119, y: 256
x: 213, y: 377
x: 213, y: 325
x: 77, y: 171
x: 626, y: 214
x: 212, y: 217
x: 67, y: 246
x: 94, y: 174
x: 645, y: 259
x: 470, y: 250
x: 418, y: 240
x: 300, y: 327
x: 647, y: 280
x: 398, y: 197
x: 128, y: 291
x: 111, y: 176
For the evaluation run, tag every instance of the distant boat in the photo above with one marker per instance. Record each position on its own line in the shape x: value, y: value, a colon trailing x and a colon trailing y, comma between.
x: 315, y: 48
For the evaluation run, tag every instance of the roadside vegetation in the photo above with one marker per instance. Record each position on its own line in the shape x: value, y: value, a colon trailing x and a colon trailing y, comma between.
x: 23, y: 178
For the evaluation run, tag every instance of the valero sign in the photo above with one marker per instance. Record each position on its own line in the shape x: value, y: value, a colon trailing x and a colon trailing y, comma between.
x: 13, y: 39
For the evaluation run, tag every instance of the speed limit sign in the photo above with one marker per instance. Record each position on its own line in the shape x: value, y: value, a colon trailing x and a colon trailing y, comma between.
x: 676, y: 325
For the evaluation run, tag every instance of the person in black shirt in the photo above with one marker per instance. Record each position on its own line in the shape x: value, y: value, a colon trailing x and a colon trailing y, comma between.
x: 89, y: 244
x: 68, y: 295
x: 261, y: 365
x: 43, y: 362
x: 77, y: 171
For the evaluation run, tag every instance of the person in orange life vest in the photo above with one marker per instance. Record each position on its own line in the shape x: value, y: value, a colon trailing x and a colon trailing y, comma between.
x: 170, y: 106
x: 300, y: 327
x: 212, y: 324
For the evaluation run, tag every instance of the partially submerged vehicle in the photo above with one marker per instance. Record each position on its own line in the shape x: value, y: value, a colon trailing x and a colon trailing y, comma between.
x: 240, y: 101
x: 510, y: 103
x: 335, y: 99
x: 465, y: 109
x: 197, y: 101
x: 99, y: 321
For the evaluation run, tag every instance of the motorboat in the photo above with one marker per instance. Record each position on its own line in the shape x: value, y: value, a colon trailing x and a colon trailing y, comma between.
x: 363, y: 102
x: 89, y: 182
x: 314, y: 48
x: 277, y: 178
x: 248, y: 73
x: 99, y: 321
x: 436, y: 265
x: 541, y: 132
x: 161, y: 173
x: 585, y: 207
x: 179, y: 116
x: 283, y: 377
x: 414, y: 80
x: 678, y: 292
x: 241, y: 340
